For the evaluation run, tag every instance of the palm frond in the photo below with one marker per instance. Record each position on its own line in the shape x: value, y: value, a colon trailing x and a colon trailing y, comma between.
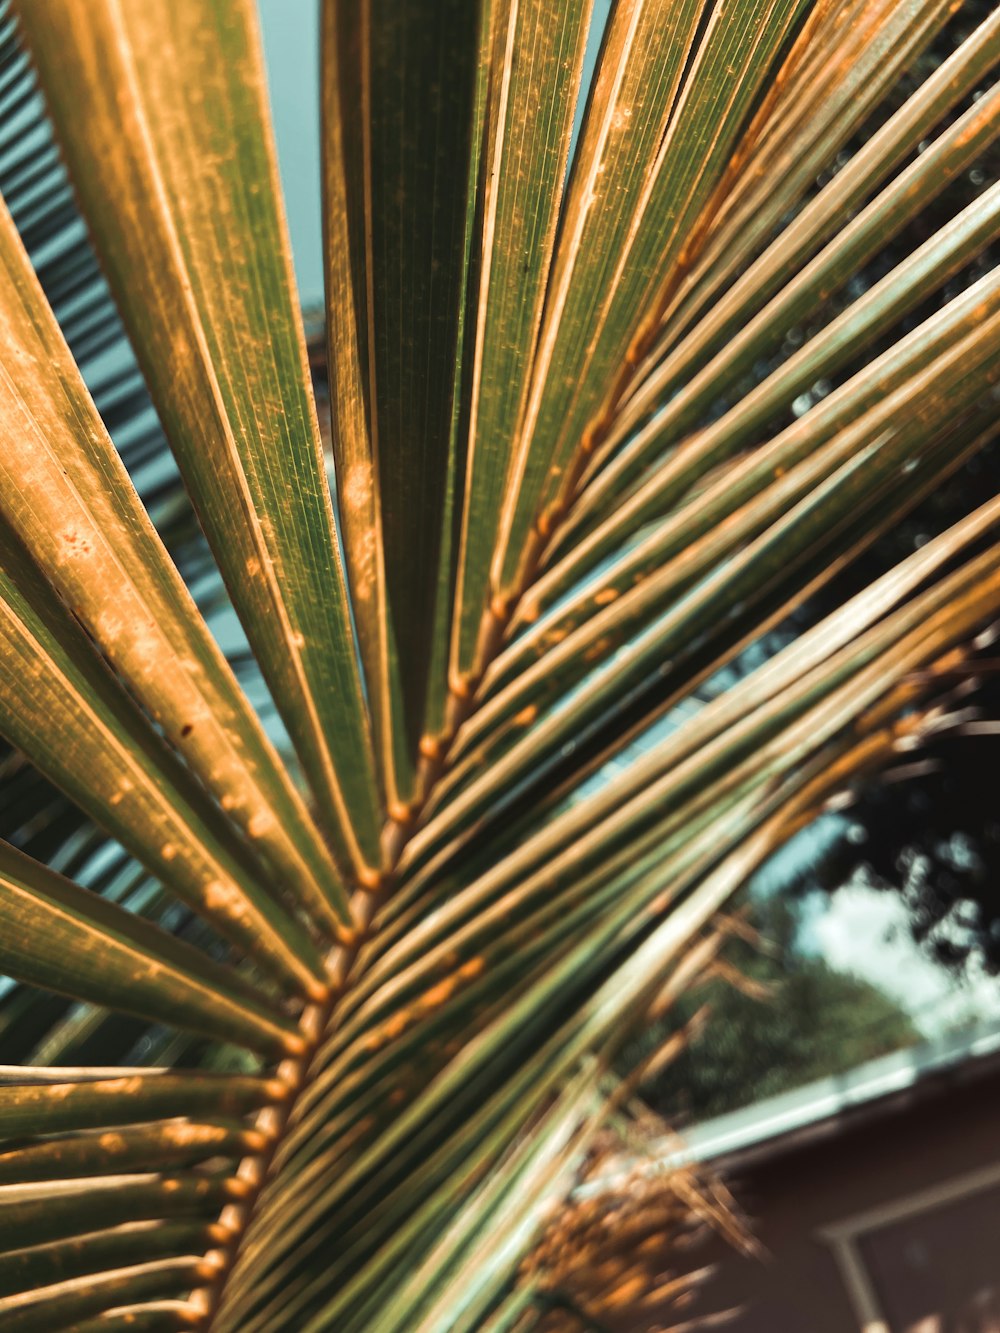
x: 206, y: 239
x: 625, y: 371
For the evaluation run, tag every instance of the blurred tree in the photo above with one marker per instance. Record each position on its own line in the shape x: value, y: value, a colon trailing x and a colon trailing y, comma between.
x: 786, y: 1019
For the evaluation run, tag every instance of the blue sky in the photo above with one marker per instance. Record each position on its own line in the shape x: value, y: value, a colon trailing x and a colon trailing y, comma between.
x: 290, y: 30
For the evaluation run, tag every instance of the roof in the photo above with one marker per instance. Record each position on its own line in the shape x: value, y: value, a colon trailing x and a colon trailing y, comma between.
x: 827, y: 1107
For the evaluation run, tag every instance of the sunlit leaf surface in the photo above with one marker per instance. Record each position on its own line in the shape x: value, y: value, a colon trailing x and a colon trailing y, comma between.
x: 647, y: 326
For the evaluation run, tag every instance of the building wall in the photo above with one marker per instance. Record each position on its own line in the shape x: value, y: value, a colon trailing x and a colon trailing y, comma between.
x: 931, y: 1263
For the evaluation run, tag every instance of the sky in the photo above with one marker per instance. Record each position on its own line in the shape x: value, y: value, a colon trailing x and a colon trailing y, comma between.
x: 865, y: 931
x: 290, y: 29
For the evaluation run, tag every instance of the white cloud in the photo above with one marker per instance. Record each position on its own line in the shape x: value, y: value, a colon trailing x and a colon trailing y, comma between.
x: 865, y: 931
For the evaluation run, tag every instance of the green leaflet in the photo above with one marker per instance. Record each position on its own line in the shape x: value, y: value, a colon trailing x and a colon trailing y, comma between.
x: 567, y: 847
x: 155, y: 1147
x: 835, y: 87
x: 536, y: 63
x: 476, y: 1231
x: 63, y: 708
x: 581, y: 358
x: 753, y: 830
x: 888, y: 146
x: 664, y: 627
x: 39, y: 1213
x: 401, y: 183
x: 31, y: 1267
x: 820, y: 217
x: 51, y: 1307
x: 128, y: 1098
x: 150, y: 1317
x: 284, y: 1219
x: 459, y: 1090
x: 432, y: 905
x: 666, y: 494
x: 797, y: 293
x: 195, y: 249
x: 65, y: 492
x: 72, y: 941
x: 448, y: 1081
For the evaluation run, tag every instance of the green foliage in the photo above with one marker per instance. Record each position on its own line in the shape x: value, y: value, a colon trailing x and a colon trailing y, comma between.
x: 796, y: 1020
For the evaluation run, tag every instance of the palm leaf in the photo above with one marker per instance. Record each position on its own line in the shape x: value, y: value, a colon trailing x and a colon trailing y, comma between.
x: 393, y: 295
x: 281, y: 561
x: 273, y: 1067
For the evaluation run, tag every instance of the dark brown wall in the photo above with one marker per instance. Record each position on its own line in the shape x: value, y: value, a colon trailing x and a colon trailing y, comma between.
x: 789, y: 1199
